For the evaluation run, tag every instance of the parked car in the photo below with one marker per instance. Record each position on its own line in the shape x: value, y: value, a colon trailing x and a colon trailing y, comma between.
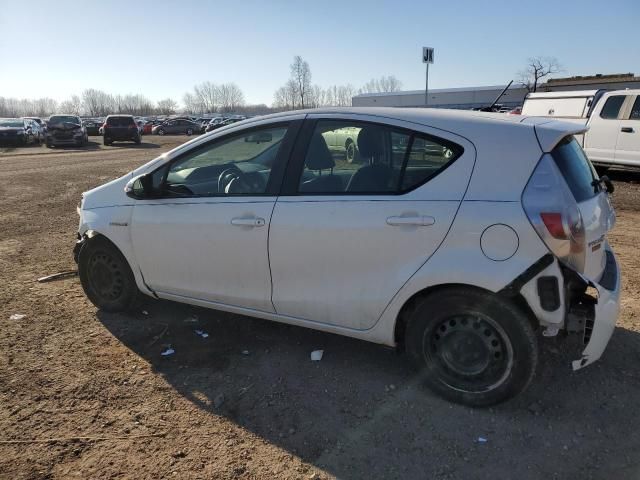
x: 467, y: 269
x: 92, y: 127
x: 63, y: 130
x: 611, y: 117
x: 19, y: 131
x: 146, y: 128
x: 120, y: 128
x: 177, y: 126
x: 223, y: 123
x: 41, y: 123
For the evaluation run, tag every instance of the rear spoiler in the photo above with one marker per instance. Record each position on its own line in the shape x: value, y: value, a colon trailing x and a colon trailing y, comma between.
x: 550, y: 132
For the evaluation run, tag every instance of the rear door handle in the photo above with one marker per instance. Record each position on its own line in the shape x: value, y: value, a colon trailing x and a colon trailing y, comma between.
x: 248, y: 222
x: 418, y: 221
x: 627, y: 129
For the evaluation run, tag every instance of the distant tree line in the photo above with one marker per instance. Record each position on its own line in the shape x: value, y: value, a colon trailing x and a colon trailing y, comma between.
x: 299, y: 92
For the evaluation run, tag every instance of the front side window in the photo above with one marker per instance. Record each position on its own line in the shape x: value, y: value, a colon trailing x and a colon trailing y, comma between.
x: 237, y: 165
x: 611, y: 108
x: 346, y: 157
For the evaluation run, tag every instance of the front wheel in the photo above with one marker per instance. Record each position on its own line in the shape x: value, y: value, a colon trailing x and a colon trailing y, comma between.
x: 106, y: 277
x: 472, y: 347
x: 160, y: 131
x: 189, y: 132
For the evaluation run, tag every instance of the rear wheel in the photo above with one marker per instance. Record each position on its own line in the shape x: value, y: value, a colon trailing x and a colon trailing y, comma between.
x: 106, y: 276
x: 189, y: 131
x: 160, y: 131
x: 472, y: 347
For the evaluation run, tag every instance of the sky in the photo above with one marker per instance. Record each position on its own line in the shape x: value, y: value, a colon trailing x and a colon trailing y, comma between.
x: 163, y: 48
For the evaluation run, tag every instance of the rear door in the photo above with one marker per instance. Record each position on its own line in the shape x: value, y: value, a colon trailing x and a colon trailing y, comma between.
x: 346, y: 236
x: 628, y: 145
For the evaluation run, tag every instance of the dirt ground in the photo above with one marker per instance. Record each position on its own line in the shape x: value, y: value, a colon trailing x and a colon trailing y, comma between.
x: 85, y: 394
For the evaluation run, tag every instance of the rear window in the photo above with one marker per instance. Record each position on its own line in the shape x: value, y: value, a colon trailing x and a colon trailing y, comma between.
x: 120, y: 121
x: 576, y: 169
x: 64, y: 119
x: 612, y: 107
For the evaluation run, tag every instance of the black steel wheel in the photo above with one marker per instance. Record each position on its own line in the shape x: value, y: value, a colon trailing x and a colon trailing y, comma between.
x: 106, y: 276
x: 470, y: 346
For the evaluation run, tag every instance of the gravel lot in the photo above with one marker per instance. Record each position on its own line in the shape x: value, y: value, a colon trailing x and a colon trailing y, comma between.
x: 85, y: 394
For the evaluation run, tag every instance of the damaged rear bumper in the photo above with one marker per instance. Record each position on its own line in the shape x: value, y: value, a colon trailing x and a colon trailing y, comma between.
x: 599, y: 329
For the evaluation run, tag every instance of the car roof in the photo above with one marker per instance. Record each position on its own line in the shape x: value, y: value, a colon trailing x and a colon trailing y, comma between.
x: 467, y: 123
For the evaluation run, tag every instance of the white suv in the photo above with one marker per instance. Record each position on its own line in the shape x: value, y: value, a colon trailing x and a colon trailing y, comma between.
x: 460, y: 236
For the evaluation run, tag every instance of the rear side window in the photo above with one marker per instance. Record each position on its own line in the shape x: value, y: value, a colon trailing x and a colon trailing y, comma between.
x: 576, y: 169
x: 612, y: 107
x: 120, y: 121
x: 351, y: 157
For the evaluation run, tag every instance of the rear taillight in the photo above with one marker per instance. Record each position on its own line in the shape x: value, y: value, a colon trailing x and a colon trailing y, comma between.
x: 554, y: 213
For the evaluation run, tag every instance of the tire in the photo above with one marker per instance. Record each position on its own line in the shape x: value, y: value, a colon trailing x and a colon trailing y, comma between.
x: 350, y: 151
x: 160, y: 131
x: 106, y: 277
x: 106, y: 142
x: 471, y: 347
x: 189, y: 132
x: 137, y: 141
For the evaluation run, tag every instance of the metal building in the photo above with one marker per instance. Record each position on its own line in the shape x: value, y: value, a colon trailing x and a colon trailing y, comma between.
x: 478, y: 97
x: 460, y: 98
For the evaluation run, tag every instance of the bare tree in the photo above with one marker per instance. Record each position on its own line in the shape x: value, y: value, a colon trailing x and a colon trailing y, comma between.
x: 301, y: 76
x: 383, y: 84
x: 72, y: 105
x: 207, y: 97
x: 231, y: 97
x: 537, y: 69
x: 167, y: 106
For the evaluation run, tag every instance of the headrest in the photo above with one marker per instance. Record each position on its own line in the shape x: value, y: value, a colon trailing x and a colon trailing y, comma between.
x: 371, y: 142
x: 319, y: 156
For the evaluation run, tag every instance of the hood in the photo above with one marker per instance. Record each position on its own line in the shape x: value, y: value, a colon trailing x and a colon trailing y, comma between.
x: 63, y: 125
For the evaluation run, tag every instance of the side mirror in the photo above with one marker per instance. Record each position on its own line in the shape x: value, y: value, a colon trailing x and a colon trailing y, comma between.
x: 139, y: 187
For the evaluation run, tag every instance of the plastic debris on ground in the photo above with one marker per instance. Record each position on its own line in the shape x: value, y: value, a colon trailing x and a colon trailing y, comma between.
x: 144, y: 312
x: 191, y: 319
x: 201, y: 333
x: 482, y: 440
x: 17, y: 316
x: 167, y: 352
x: 316, y: 355
x: 245, y: 352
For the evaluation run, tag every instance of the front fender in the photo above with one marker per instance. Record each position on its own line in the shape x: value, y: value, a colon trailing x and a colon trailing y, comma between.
x: 114, y: 224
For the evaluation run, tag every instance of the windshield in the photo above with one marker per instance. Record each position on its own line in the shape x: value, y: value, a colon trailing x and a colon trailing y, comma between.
x: 11, y: 123
x: 64, y: 119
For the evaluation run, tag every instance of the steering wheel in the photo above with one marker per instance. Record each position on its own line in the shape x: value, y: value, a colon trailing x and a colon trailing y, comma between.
x: 232, y: 175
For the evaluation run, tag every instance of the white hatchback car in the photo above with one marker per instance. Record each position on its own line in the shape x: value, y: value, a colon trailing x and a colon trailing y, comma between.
x: 458, y: 235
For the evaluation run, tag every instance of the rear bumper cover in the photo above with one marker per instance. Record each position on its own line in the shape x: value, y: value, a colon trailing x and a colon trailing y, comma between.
x: 607, y: 309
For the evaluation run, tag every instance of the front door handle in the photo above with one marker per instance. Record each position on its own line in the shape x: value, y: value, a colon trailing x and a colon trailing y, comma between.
x: 248, y: 222
x: 418, y: 221
x: 627, y: 129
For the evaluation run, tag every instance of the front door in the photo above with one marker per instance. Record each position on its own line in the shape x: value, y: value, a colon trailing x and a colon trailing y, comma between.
x: 600, y: 140
x: 346, y: 236
x: 628, y: 146
x: 206, y: 236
